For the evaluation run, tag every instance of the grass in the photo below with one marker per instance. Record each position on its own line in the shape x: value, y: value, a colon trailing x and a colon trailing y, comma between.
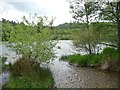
x: 110, y: 53
x: 3, y: 66
x: 83, y: 60
x: 96, y: 60
x: 27, y: 74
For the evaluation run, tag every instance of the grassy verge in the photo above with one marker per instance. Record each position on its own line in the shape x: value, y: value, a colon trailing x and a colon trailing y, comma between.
x: 109, y: 54
x: 27, y: 74
x: 3, y: 66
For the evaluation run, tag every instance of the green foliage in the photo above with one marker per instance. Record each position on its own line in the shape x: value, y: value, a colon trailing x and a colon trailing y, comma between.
x: 83, y: 60
x: 7, y: 27
x: 67, y: 31
x: 110, y: 53
x: 107, y: 31
x: 84, y: 11
x: 108, y: 12
x: 26, y: 73
x: 111, y: 12
x: 63, y: 34
x: 96, y: 60
x: 31, y: 41
x: 88, y: 39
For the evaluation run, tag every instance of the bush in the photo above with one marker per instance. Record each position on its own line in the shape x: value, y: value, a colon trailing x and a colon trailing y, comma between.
x: 109, y: 51
x: 26, y: 73
x: 23, y: 66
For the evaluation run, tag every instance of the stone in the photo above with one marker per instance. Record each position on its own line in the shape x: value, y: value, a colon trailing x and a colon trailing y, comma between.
x: 105, y: 66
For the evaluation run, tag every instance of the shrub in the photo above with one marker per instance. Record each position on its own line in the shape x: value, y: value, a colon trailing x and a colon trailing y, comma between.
x: 23, y: 66
x: 109, y: 51
x: 26, y: 73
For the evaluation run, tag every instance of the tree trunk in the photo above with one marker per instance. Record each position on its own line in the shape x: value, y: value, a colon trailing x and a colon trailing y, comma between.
x: 86, y: 12
x: 118, y: 23
x: 89, y: 49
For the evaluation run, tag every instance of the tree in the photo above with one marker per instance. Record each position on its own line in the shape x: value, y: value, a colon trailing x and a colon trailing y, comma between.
x: 88, y: 40
x: 83, y: 11
x: 111, y: 12
x: 118, y: 23
x: 27, y: 41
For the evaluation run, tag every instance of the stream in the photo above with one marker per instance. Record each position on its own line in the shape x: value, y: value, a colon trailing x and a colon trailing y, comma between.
x: 70, y: 76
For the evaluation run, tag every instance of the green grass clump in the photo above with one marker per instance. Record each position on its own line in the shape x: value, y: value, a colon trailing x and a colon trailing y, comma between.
x: 26, y: 73
x: 95, y: 60
x: 82, y: 60
x: 108, y: 54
